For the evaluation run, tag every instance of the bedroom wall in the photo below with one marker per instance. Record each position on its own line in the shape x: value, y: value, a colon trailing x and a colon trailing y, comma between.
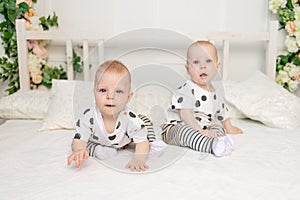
x: 107, y: 18
x: 104, y: 19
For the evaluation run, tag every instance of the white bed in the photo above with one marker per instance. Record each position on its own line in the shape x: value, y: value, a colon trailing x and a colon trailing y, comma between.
x: 264, y: 165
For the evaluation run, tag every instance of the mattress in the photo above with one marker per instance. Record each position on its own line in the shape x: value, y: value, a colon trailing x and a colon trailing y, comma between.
x: 264, y: 165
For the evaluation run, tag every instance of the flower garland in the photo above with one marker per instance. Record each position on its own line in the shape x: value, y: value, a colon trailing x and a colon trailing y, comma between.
x: 41, y: 73
x: 288, y: 65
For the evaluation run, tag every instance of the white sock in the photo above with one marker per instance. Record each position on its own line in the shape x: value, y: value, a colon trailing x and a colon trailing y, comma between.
x: 229, y: 141
x: 156, y: 148
x: 219, y: 147
x: 103, y: 152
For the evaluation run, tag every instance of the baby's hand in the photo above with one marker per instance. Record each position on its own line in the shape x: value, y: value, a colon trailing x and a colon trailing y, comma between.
x: 138, y: 163
x: 78, y: 157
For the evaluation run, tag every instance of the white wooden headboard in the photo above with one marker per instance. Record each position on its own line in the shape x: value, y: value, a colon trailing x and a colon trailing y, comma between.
x: 270, y: 37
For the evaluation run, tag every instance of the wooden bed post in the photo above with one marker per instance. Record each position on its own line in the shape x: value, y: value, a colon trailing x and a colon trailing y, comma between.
x: 70, y: 72
x: 100, y: 52
x: 272, y: 50
x: 22, y: 54
x: 86, y: 68
x: 225, y: 59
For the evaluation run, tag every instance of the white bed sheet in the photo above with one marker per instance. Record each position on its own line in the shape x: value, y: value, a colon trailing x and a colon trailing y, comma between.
x: 265, y: 165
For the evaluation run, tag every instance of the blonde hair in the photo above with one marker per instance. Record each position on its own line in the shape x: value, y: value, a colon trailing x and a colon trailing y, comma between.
x: 204, y: 43
x: 110, y: 66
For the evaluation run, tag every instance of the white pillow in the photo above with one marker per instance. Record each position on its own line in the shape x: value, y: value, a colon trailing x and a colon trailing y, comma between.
x: 261, y: 99
x: 233, y: 111
x: 27, y: 104
x: 67, y: 95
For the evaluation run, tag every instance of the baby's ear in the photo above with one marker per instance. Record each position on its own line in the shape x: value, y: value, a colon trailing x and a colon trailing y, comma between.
x: 129, y: 96
x: 218, y: 65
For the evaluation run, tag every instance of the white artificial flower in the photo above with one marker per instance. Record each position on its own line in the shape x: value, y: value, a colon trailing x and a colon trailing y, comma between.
x: 291, y: 44
x: 294, y: 71
x: 33, y: 61
x: 297, y: 12
x: 35, y: 26
x: 297, y: 25
x: 292, y: 85
x: 274, y: 5
x: 282, y: 77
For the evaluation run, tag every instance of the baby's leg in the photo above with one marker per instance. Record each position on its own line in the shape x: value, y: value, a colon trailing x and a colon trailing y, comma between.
x: 186, y: 136
x: 156, y: 146
x: 99, y: 151
x: 148, y: 124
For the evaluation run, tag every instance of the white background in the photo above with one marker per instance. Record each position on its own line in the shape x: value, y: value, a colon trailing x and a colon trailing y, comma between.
x: 107, y: 18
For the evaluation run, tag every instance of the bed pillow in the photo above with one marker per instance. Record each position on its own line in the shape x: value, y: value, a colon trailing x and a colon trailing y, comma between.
x: 67, y: 100
x: 27, y: 104
x: 260, y: 98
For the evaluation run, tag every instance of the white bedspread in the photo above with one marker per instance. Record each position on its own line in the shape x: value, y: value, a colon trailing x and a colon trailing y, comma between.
x: 265, y: 165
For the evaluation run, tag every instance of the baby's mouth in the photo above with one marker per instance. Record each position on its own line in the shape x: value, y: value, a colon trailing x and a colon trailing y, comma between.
x: 203, y: 75
x: 110, y: 105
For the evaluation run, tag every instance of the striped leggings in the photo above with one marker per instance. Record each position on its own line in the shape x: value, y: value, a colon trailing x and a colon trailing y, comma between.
x: 150, y: 136
x: 186, y: 136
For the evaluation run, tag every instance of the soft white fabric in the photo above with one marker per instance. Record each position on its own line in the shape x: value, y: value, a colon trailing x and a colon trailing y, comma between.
x: 27, y: 104
x: 264, y: 165
x: 261, y: 99
x: 67, y: 101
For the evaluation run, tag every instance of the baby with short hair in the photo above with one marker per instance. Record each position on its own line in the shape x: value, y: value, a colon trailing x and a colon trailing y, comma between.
x: 198, y: 117
x: 109, y: 125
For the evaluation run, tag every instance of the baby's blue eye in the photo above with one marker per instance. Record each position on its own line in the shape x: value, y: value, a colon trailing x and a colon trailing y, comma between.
x: 119, y: 91
x: 196, y: 62
x: 103, y: 90
x: 209, y: 60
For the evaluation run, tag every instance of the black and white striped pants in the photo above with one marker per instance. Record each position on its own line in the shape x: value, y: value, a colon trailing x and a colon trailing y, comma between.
x: 150, y: 136
x: 186, y: 136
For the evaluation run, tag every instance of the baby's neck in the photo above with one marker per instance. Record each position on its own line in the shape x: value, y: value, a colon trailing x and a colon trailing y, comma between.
x: 208, y: 87
x: 109, y: 123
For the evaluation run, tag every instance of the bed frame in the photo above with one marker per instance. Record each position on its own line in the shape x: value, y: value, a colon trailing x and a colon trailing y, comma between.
x: 270, y: 37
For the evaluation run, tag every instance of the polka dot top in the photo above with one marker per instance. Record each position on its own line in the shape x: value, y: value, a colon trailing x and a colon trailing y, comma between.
x: 207, y: 106
x: 129, y: 128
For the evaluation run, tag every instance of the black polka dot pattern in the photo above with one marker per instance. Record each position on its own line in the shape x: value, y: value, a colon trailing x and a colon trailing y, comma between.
x: 215, y: 97
x: 203, y: 98
x: 220, y: 118
x: 193, y: 91
x: 197, y: 104
x: 118, y: 125
x: 78, y: 123
x: 198, y: 118
x: 92, y: 121
x: 173, y: 107
x: 95, y: 137
x: 131, y: 114
x: 112, y: 137
x: 204, y: 127
x: 87, y: 110
x: 180, y: 100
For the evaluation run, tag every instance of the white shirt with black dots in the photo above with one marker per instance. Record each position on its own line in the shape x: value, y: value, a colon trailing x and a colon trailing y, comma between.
x: 208, y: 107
x: 129, y: 128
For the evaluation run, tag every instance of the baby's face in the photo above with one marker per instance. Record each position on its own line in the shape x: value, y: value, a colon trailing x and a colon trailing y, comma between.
x: 202, y: 64
x: 112, y: 93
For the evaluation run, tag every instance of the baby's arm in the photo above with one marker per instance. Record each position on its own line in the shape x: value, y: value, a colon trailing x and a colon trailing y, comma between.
x: 138, y: 162
x: 188, y: 118
x: 79, y: 152
x: 230, y: 128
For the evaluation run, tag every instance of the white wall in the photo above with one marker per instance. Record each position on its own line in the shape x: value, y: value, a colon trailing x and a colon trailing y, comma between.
x: 107, y: 18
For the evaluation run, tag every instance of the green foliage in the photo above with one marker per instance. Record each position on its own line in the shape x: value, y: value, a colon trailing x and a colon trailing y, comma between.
x: 50, y: 73
x: 9, y: 70
x: 48, y: 22
x: 9, y: 62
x: 77, y: 63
